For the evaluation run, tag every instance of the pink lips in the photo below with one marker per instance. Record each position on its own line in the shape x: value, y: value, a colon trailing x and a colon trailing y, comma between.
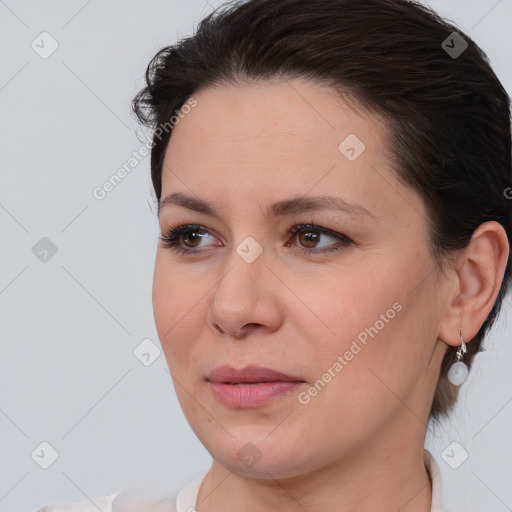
x: 251, y: 386
x: 252, y: 374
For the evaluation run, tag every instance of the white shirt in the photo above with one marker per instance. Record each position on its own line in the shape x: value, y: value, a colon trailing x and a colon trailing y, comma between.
x: 186, y: 499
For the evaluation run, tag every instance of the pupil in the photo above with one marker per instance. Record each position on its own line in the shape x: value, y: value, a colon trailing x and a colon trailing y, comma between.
x: 310, y: 237
x: 193, y: 234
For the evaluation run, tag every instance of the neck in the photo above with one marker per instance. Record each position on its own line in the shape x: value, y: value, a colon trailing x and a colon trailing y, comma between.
x: 385, y: 475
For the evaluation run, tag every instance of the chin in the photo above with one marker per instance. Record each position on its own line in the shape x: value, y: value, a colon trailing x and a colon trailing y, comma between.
x: 253, y: 454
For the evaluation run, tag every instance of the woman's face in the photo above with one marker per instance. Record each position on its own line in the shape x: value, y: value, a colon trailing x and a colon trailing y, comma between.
x: 353, y: 324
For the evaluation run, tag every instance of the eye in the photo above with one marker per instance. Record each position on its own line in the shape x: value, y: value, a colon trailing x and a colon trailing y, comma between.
x: 186, y: 239
x: 308, y: 235
x: 192, y: 235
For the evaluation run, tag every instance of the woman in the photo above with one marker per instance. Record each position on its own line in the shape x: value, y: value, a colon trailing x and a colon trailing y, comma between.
x: 335, y: 218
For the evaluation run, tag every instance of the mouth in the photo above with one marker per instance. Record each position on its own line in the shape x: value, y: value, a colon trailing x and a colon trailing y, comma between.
x: 249, y: 375
x: 250, y: 383
x: 252, y: 386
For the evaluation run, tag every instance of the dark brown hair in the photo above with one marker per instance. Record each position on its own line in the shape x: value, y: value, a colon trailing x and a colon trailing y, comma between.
x: 448, y: 115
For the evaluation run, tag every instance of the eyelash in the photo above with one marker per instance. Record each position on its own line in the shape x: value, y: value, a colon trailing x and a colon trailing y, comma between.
x: 171, y: 238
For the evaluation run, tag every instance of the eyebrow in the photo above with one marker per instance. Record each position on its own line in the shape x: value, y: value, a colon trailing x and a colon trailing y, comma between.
x: 279, y: 209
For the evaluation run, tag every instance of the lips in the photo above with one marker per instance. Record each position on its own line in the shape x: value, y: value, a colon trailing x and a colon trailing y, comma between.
x: 249, y: 375
x: 250, y: 387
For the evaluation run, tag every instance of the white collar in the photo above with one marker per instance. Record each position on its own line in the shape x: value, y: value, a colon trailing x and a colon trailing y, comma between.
x: 435, y: 477
x: 187, y: 497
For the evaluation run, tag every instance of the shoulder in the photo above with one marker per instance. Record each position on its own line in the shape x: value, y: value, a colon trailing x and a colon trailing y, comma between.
x: 128, y: 501
x: 117, y: 502
x: 103, y: 503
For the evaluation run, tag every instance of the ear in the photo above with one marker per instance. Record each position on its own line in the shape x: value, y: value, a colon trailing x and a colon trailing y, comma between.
x: 475, y: 283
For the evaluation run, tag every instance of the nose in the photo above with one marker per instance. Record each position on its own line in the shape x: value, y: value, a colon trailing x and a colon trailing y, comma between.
x: 246, y: 299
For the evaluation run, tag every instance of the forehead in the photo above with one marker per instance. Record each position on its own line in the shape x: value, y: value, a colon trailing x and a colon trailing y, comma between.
x: 283, y: 138
x: 294, y: 112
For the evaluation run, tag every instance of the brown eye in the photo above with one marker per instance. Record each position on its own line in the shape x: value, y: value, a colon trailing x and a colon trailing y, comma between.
x: 308, y: 239
x: 186, y: 238
x: 192, y: 238
x: 308, y: 236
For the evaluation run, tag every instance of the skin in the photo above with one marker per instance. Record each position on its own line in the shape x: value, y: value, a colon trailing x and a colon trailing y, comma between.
x: 358, y: 444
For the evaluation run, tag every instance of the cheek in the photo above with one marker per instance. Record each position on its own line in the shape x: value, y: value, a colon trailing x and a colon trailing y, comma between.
x: 384, y: 346
x: 338, y: 307
x: 176, y: 306
x: 360, y: 328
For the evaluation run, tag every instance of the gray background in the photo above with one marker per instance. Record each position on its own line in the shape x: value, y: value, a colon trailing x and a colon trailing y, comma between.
x: 70, y: 325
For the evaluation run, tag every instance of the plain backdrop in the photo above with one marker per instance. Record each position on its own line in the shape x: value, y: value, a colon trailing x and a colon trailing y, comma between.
x: 76, y: 272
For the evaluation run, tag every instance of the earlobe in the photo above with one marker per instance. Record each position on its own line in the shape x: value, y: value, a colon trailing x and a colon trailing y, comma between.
x: 479, y: 274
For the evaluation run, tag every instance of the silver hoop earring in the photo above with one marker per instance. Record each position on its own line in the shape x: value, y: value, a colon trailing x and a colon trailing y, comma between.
x: 458, y: 371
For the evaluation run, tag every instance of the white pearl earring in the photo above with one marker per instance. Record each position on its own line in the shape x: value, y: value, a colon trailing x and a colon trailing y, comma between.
x: 458, y: 371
